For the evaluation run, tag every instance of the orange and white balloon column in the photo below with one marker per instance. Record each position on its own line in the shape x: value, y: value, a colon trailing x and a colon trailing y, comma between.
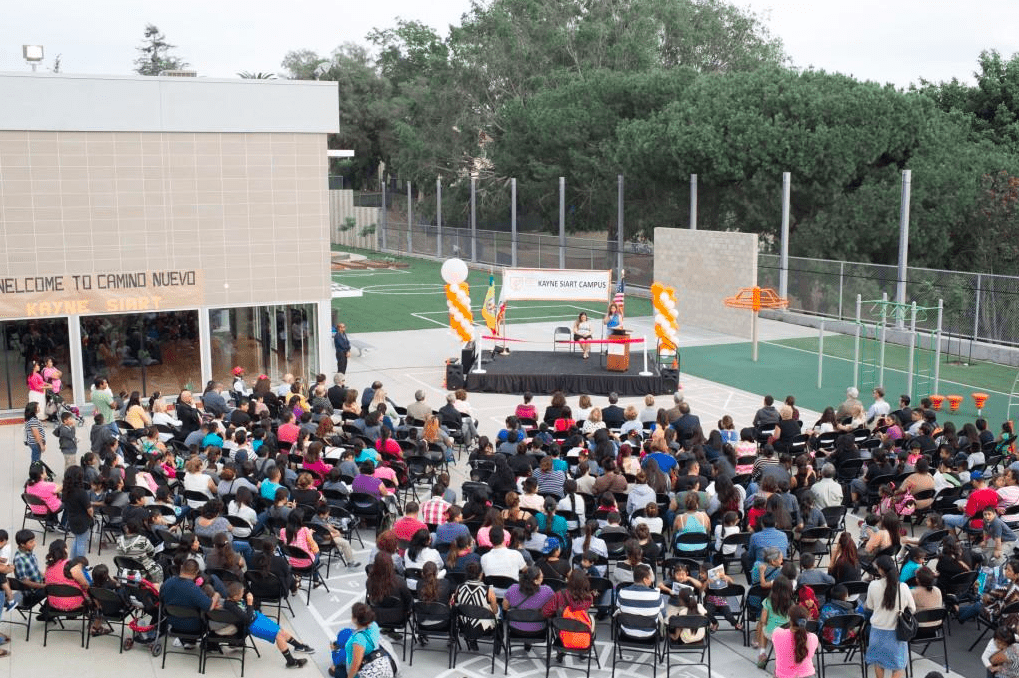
x: 461, y: 320
x: 458, y: 299
x: 666, y: 316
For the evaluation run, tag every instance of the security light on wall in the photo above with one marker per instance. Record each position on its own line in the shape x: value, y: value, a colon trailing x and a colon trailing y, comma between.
x: 33, y: 54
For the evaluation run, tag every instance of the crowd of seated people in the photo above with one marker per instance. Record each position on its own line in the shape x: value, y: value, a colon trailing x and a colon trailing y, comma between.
x: 560, y: 510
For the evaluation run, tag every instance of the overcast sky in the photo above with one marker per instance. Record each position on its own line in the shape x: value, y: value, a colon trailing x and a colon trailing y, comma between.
x: 897, y: 41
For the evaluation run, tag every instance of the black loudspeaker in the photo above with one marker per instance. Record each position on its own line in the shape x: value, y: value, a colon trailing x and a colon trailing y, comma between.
x: 467, y: 356
x: 671, y: 377
x: 454, y: 376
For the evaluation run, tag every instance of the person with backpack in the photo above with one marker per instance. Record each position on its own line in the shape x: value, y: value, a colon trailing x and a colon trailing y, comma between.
x: 838, y: 604
x: 573, y: 602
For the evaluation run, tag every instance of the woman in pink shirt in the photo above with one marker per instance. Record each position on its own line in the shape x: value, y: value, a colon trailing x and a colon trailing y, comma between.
x: 45, y: 490
x: 493, y: 517
x: 37, y: 386
x: 60, y: 571
x: 526, y: 410
x: 52, y: 375
x: 295, y: 534
x: 313, y: 462
x: 794, y: 647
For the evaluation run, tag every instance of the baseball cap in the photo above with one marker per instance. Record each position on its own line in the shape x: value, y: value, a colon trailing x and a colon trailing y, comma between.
x: 976, y: 475
x: 551, y: 544
x: 238, y: 371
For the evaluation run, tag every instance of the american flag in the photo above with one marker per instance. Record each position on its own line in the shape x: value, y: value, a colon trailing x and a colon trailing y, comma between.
x: 619, y: 299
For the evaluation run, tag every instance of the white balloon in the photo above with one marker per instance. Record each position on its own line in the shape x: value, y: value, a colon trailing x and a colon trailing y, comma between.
x: 454, y: 271
x: 670, y: 304
x: 659, y: 319
x: 663, y: 298
x: 673, y: 313
x: 463, y: 298
x: 454, y: 288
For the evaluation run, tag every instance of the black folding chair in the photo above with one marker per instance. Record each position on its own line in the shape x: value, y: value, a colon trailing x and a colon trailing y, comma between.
x: 238, y: 640
x: 559, y: 626
x: 629, y: 634
x: 527, y: 638
x: 268, y: 589
x: 926, y: 635
x: 80, y: 611
x: 476, y: 624
x: 849, y: 630
x: 675, y: 648
x: 432, y: 620
x: 111, y: 609
x: 167, y: 613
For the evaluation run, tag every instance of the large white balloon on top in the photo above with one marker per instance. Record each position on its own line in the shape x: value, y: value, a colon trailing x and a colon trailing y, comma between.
x: 454, y: 271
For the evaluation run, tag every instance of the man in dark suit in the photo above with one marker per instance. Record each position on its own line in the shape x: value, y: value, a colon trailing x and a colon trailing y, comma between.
x: 686, y: 423
x: 613, y: 415
x: 337, y: 392
x: 342, y: 345
x: 190, y: 419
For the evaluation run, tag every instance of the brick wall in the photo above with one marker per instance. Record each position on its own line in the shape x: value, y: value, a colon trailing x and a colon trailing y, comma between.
x: 705, y: 267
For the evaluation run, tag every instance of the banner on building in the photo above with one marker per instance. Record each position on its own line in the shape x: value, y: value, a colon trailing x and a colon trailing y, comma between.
x: 43, y: 296
x: 536, y: 284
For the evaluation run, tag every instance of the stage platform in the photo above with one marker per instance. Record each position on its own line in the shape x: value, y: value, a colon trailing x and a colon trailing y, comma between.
x: 542, y: 372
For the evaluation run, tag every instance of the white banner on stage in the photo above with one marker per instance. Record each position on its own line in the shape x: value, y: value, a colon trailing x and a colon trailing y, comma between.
x: 520, y: 284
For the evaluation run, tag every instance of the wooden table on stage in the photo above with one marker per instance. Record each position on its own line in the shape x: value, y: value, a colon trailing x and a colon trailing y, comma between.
x: 618, y: 358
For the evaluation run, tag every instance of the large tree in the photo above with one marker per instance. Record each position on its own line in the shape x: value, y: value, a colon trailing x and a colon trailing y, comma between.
x: 155, y: 54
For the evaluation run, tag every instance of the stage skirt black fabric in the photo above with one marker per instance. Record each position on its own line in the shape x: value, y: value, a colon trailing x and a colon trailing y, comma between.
x: 546, y: 371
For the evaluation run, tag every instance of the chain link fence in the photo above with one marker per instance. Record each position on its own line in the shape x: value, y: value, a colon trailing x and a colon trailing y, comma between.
x: 981, y: 306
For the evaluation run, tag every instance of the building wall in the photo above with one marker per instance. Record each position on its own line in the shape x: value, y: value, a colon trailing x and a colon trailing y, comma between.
x: 705, y: 267
x: 238, y: 208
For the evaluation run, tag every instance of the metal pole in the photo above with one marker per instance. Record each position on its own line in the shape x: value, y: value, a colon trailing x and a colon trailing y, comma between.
x: 693, y: 202
x: 438, y: 217
x: 912, y: 349
x: 753, y: 336
x: 474, y: 220
x: 513, y: 222
x: 410, y: 220
x: 384, y: 219
x: 842, y: 276
x: 562, y: 222
x: 900, y: 286
x: 884, y: 314
x: 856, y: 344
x: 820, y: 354
x: 619, y: 229
x: 976, y: 312
x: 937, y: 347
x: 783, y: 275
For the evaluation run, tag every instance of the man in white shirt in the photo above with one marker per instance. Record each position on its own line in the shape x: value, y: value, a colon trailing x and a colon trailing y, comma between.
x: 283, y: 390
x: 880, y: 407
x: 501, y: 561
x: 827, y: 492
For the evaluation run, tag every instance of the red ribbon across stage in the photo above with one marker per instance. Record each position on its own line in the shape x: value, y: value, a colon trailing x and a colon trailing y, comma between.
x: 583, y: 341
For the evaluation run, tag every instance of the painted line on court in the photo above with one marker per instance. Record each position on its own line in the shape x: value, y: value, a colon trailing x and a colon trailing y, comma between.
x: 370, y: 272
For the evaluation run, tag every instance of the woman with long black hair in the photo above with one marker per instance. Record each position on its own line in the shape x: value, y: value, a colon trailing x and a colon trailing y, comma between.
x: 887, y: 597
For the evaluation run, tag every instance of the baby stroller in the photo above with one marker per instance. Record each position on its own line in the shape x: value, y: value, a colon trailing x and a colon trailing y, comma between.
x: 144, y: 598
x: 56, y: 406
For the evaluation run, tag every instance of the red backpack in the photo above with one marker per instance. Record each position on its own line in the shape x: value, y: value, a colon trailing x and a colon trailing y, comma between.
x: 576, y: 640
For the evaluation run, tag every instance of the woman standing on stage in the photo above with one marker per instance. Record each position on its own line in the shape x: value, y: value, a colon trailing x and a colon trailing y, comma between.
x: 613, y: 318
x: 582, y: 332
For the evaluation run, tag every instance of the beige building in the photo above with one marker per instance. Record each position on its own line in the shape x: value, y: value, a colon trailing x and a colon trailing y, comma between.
x: 160, y: 231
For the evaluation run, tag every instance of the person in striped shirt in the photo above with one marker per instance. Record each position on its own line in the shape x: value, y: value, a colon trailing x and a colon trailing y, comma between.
x: 640, y: 599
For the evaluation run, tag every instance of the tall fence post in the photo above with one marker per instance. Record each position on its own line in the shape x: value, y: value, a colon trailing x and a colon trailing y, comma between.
x: 912, y: 349
x: 856, y: 343
x: 438, y: 217
x: 976, y: 311
x: 382, y: 222
x: 513, y: 222
x: 820, y: 353
x: 693, y: 202
x: 884, y: 323
x: 620, y: 238
x: 783, y: 274
x: 937, y: 346
x: 474, y: 219
x: 562, y: 222
x: 900, y: 286
x: 410, y: 220
x: 842, y: 277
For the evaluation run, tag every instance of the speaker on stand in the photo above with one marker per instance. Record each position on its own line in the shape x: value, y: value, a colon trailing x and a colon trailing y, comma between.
x: 455, y: 376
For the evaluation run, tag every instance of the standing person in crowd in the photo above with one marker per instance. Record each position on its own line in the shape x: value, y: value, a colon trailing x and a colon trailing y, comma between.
x: 341, y: 342
x: 887, y: 597
x: 77, y: 510
x: 35, y: 435
x: 37, y: 386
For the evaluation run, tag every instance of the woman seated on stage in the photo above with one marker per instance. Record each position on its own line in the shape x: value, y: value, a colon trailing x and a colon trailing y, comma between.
x: 582, y: 332
x: 613, y: 318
